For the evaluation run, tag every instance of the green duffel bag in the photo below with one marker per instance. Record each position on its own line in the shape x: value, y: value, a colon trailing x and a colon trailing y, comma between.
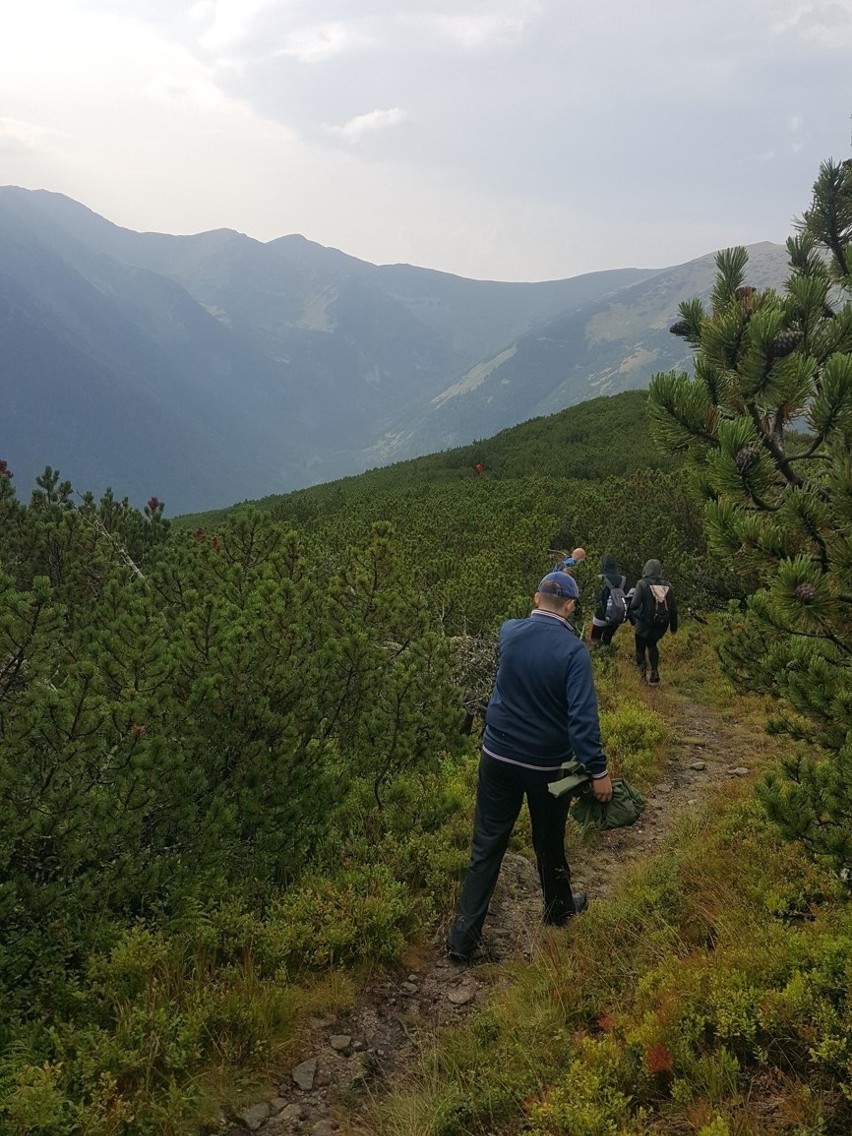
x: 625, y: 808
x: 576, y: 775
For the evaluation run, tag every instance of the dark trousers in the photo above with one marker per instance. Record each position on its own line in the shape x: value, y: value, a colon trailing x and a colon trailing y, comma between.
x: 648, y: 643
x: 603, y: 635
x: 499, y: 795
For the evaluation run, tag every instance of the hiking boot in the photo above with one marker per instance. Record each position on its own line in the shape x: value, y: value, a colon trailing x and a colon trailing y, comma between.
x: 458, y: 959
x: 642, y: 668
x: 581, y: 902
x: 654, y: 677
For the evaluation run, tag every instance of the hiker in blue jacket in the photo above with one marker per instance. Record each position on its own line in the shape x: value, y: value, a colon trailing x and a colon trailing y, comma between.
x: 610, y: 603
x: 652, y: 612
x: 543, y: 712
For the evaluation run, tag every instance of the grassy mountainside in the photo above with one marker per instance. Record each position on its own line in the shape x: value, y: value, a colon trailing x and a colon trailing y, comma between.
x: 207, y: 717
x: 263, y: 366
x: 605, y: 346
x: 604, y: 437
x: 588, y: 475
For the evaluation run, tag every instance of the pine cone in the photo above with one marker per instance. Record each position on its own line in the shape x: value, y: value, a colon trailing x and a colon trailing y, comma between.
x: 784, y: 343
x: 680, y: 328
x: 804, y: 593
x: 746, y: 457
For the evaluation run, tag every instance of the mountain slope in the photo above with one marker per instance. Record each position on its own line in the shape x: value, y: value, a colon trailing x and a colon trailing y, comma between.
x: 573, y: 443
x: 606, y: 346
x: 214, y: 367
x: 119, y: 378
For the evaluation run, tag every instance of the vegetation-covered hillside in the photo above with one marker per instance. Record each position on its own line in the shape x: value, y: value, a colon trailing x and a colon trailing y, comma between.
x: 237, y: 760
x: 194, y: 720
x: 604, y: 437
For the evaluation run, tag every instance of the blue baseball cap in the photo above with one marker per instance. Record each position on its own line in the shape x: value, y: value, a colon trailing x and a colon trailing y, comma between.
x: 559, y: 584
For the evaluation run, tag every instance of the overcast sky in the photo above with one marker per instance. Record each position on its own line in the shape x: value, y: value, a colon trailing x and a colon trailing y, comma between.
x: 500, y: 139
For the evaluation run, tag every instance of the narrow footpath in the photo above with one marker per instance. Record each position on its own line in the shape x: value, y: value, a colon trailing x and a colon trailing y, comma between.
x: 377, y: 1041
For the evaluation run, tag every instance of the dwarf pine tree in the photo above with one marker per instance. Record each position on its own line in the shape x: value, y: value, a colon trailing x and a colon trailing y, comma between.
x: 182, y: 714
x: 767, y: 421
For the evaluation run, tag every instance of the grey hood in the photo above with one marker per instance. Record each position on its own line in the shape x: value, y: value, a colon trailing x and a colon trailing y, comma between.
x: 653, y: 569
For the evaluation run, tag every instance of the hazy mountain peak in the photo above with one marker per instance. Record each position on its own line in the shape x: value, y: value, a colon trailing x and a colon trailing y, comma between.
x: 212, y: 367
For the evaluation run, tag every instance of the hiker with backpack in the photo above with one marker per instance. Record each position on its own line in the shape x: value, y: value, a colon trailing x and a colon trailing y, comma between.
x: 611, y: 603
x: 652, y: 612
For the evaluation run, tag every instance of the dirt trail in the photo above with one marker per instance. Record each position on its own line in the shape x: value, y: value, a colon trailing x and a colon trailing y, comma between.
x: 379, y: 1038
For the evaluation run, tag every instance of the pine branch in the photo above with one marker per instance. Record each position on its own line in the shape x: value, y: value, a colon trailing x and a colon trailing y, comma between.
x: 114, y: 544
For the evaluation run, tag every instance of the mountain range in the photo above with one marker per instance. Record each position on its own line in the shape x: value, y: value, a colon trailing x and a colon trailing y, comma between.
x: 212, y: 368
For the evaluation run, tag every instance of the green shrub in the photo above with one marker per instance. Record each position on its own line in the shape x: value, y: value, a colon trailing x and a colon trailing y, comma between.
x: 589, y: 1099
x: 633, y: 736
x: 361, y: 913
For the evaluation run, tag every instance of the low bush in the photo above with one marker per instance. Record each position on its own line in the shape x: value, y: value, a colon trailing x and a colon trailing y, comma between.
x: 633, y: 737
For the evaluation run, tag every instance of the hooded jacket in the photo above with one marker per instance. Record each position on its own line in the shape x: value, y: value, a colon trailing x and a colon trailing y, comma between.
x: 642, y: 604
x: 611, y: 578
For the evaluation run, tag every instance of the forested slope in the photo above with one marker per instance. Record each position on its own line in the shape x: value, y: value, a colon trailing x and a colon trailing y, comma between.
x: 235, y: 764
x: 604, y: 437
x: 194, y: 720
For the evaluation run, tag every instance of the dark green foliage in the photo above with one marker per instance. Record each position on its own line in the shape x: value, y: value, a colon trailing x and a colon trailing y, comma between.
x: 777, y: 500
x: 212, y: 737
x: 589, y: 475
x: 575, y: 443
x: 181, y: 725
x: 812, y: 801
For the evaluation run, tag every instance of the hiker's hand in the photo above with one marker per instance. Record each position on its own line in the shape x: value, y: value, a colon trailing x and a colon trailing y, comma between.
x: 602, y: 788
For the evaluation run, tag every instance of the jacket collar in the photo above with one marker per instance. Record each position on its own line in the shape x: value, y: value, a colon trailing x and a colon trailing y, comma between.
x: 551, y: 615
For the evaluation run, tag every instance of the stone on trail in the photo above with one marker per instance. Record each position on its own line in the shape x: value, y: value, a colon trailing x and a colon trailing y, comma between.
x: 253, y: 1117
x: 305, y: 1073
x: 461, y: 995
x: 290, y: 1113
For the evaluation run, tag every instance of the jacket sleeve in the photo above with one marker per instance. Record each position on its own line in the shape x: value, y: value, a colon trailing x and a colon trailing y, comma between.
x: 584, y: 732
x: 634, y: 612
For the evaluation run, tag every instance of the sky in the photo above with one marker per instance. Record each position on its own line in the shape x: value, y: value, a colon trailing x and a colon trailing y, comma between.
x: 496, y: 139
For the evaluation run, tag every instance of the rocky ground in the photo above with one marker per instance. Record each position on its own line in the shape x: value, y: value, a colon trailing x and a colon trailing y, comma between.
x: 379, y: 1038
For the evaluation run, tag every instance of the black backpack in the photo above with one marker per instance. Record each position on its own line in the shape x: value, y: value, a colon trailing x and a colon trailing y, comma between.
x: 616, y: 604
x: 660, y: 616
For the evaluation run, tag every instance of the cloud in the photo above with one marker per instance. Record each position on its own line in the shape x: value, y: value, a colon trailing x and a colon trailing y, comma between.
x: 18, y: 135
x: 583, y: 136
x: 797, y: 144
x: 320, y: 42
x: 355, y: 129
x: 231, y: 21
x: 827, y: 25
x: 473, y: 29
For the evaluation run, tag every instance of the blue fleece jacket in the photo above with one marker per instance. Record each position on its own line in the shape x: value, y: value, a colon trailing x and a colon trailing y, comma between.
x: 544, y: 710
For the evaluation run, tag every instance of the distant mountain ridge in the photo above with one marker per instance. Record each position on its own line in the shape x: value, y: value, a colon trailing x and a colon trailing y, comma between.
x: 608, y: 345
x: 213, y: 368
